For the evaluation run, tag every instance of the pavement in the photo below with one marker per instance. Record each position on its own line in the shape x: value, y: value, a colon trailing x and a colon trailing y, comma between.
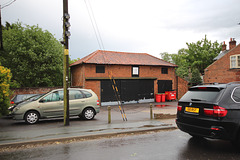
x: 14, y: 133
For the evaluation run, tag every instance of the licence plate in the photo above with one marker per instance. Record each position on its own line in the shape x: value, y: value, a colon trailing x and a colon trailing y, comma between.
x: 192, y: 110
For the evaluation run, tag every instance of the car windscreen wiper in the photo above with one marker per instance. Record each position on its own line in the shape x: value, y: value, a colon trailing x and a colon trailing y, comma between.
x: 197, y: 99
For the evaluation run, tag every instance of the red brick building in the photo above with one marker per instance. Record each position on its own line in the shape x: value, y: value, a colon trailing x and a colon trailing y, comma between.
x: 138, y: 75
x: 226, y: 67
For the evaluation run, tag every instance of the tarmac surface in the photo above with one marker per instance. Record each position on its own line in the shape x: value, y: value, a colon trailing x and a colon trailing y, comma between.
x: 15, y: 133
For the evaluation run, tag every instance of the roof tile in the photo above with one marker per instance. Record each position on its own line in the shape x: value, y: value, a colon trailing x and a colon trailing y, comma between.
x: 122, y: 58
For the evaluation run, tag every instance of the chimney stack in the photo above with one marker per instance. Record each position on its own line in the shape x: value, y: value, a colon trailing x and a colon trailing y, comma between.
x: 224, y: 46
x: 232, y: 43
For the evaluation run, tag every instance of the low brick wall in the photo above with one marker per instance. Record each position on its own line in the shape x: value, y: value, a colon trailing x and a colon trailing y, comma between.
x: 34, y: 90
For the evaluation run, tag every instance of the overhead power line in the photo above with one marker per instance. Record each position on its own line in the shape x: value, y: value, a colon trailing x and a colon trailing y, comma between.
x: 94, y: 24
x: 8, y: 4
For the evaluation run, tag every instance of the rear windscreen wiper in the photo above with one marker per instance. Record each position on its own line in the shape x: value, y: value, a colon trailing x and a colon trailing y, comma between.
x: 198, y: 100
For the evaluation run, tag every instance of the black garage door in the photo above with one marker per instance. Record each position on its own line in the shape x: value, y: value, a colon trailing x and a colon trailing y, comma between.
x: 128, y: 89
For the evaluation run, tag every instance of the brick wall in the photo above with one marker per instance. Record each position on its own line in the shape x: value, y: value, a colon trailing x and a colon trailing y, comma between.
x: 94, y: 86
x: 182, y: 87
x: 220, y: 71
x: 80, y: 72
x: 33, y: 90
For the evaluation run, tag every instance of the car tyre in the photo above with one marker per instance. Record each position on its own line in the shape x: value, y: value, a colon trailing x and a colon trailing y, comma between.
x: 31, y: 117
x: 88, y: 114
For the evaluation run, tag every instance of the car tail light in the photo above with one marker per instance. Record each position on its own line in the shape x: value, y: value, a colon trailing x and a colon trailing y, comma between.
x: 202, y: 88
x: 217, y: 111
x: 179, y: 108
x: 11, y: 102
x: 98, y: 102
x: 215, y: 129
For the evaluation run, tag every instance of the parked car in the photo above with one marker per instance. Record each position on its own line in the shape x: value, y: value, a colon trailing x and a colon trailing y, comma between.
x: 211, y: 111
x: 82, y: 102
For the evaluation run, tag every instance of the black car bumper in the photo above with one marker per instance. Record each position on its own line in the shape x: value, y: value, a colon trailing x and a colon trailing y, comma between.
x: 214, y: 131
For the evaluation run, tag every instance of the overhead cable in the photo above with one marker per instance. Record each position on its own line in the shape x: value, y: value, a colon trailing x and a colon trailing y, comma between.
x: 94, y: 24
x: 8, y: 4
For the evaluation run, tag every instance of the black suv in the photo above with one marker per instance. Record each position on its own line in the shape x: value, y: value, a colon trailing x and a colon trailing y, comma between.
x: 211, y: 111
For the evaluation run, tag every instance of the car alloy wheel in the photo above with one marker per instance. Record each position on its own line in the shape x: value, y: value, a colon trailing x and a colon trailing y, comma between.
x: 31, y: 117
x: 88, y: 113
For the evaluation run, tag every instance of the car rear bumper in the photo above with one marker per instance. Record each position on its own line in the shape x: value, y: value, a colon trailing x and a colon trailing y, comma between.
x: 214, y: 131
x: 97, y: 109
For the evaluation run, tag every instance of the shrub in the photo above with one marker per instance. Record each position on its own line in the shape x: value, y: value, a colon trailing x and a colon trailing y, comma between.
x: 5, y: 77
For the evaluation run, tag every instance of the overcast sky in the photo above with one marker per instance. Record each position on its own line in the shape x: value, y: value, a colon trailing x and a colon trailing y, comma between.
x: 142, y: 26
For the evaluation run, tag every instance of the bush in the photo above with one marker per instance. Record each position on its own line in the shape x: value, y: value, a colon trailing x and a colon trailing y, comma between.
x: 5, y: 77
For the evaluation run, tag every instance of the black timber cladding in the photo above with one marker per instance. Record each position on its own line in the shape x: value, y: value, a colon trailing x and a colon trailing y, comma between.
x: 164, y: 85
x: 129, y: 89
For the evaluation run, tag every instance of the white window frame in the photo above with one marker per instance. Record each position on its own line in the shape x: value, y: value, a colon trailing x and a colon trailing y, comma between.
x: 135, y: 71
x: 237, y: 61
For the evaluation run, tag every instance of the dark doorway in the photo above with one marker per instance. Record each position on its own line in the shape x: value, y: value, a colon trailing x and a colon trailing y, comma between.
x: 164, y: 85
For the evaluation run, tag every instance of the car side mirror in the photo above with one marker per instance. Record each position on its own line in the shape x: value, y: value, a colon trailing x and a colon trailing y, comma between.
x: 42, y: 101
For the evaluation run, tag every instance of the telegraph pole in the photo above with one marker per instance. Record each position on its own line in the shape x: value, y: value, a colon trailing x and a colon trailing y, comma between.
x: 66, y: 35
x: 1, y: 39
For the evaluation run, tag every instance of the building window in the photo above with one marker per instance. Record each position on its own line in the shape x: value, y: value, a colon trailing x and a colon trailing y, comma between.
x: 100, y: 69
x: 135, y: 71
x: 164, y: 70
x: 235, y: 61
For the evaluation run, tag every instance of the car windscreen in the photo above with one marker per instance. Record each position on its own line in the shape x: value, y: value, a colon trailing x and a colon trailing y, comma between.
x: 202, y: 95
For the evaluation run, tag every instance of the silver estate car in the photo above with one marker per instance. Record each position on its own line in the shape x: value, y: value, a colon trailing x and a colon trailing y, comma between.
x: 82, y: 102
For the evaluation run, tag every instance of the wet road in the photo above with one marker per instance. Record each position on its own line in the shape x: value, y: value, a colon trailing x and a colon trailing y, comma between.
x: 171, y: 145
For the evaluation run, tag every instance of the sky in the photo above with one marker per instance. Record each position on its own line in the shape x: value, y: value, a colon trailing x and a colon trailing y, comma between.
x: 140, y: 26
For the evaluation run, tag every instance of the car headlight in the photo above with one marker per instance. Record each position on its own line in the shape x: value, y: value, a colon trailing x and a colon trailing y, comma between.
x: 10, y: 108
x: 16, y: 109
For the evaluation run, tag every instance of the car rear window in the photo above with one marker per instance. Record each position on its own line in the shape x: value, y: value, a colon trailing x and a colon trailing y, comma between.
x: 87, y: 94
x: 202, y: 94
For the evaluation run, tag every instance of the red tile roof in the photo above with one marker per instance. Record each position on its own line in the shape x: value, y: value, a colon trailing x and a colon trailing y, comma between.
x: 122, y: 58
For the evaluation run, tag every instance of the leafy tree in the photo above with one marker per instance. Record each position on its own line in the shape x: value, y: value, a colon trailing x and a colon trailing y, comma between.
x: 166, y: 57
x: 201, y: 54
x: 195, y: 59
x: 196, y: 78
x: 5, y: 77
x: 178, y: 59
x: 33, y: 55
x: 71, y: 61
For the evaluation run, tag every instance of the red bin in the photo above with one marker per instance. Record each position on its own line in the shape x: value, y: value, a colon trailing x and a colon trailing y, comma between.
x: 158, y: 97
x: 170, y: 95
x: 163, y: 97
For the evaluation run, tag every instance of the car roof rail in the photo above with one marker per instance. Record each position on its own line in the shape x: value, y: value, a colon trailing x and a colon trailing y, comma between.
x: 236, y: 82
x: 214, y: 83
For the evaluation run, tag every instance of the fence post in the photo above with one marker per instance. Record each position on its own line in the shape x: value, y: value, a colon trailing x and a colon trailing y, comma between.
x: 109, y: 114
x: 151, y: 112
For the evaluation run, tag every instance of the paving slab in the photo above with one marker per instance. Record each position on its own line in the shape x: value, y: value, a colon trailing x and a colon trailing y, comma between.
x: 45, y: 132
